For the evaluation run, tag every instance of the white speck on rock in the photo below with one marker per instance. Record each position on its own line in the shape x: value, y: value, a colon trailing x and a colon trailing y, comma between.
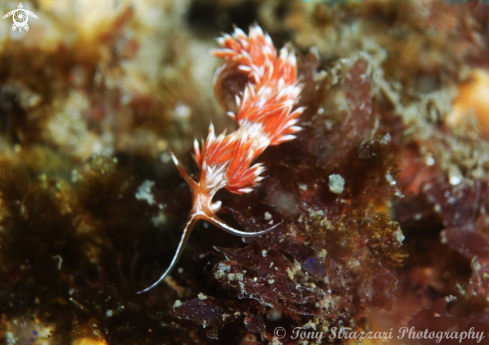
x: 386, y: 139
x: 222, y: 268
x: 309, y: 325
x: 275, y: 341
x: 430, y: 161
x: 290, y: 274
x: 144, y: 192
x: 11, y: 339
x: 165, y: 157
x: 336, y: 183
x: 399, y: 235
x: 264, y: 253
x: 97, y: 148
x: 268, y: 216
x: 450, y: 298
x: 75, y: 176
x: 160, y: 219
x: 390, y: 179
x: 182, y: 110
x: 316, y: 213
x: 177, y: 304
x: 455, y: 176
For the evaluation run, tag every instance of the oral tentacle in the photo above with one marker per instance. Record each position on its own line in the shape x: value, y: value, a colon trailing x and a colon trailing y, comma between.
x: 181, y: 246
x: 213, y: 219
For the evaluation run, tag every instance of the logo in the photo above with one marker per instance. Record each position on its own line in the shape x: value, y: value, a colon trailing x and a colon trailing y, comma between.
x: 20, y: 17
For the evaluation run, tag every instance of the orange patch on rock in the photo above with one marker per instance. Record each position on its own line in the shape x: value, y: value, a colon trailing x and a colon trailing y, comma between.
x: 473, y: 95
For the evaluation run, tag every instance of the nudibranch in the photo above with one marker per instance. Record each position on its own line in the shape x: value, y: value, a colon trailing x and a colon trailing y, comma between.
x: 266, y: 115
